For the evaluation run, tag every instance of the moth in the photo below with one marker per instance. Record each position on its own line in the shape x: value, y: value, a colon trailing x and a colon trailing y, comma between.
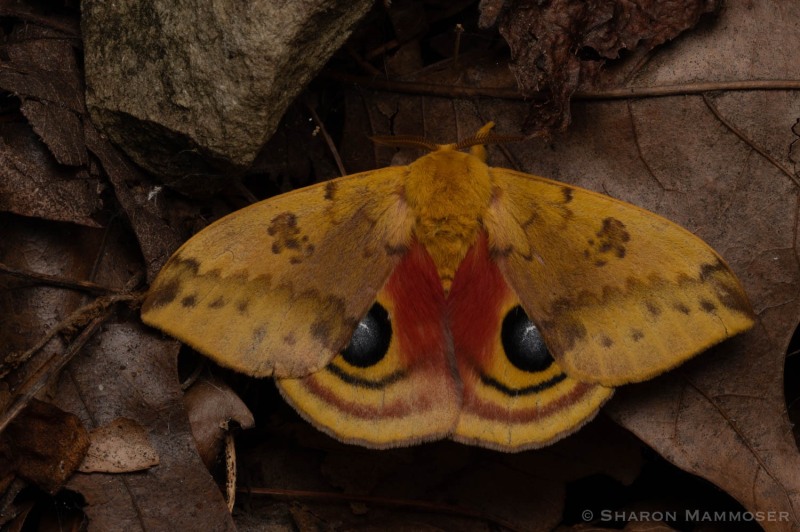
x: 447, y: 299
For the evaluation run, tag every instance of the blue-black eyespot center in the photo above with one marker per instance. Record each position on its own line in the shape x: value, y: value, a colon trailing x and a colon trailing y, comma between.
x: 370, y: 340
x: 523, y: 343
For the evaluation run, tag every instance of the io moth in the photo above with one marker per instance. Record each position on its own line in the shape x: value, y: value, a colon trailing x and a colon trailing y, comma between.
x: 447, y: 298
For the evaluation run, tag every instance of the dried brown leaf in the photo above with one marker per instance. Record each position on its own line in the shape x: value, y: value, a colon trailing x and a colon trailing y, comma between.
x: 120, y: 446
x: 33, y: 184
x: 211, y: 404
x: 156, y: 239
x: 46, y: 445
x: 559, y: 46
x: 43, y: 72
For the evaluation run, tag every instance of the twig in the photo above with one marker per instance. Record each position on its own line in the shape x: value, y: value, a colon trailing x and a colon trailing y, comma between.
x: 230, y: 468
x: 53, y: 366
x: 42, y: 376
x: 459, y: 30
x: 457, y: 91
x: 13, y: 361
x: 361, y: 62
x: 383, y: 501
x: 328, y: 139
x: 54, y: 280
x: 749, y: 141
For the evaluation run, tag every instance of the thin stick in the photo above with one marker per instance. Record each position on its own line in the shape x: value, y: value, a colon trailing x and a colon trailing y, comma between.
x: 14, y: 361
x: 328, y: 139
x: 42, y: 376
x: 457, y: 46
x: 53, y: 366
x: 749, y: 141
x: 433, y: 89
x: 230, y: 468
x: 383, y: 501
x: 54, y: 280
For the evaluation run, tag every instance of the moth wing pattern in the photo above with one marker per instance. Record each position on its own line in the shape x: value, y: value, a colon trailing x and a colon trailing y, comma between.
x: 658, y: 294
x: 511, y: 401
x: 401, y: 393
x: 265, y: 290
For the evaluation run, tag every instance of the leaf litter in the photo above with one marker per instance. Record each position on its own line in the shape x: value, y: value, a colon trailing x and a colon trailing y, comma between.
x: 721, y: 417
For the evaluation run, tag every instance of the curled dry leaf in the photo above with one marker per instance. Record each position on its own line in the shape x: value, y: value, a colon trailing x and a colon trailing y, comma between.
x: 119, y: 447
x: 560, y: 46
x: 211, y: 404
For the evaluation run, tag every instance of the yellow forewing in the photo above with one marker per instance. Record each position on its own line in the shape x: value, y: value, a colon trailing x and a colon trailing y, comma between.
x: 278, y: 287
x: 619, y: 294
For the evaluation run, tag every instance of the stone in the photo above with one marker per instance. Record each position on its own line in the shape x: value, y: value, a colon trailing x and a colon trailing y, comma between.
x: 192, y: 89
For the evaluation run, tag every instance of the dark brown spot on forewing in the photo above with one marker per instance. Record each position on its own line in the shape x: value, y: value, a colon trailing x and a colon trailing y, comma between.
x: 189, y: 301
x: 175, y: 271
x: 332, y: 326
x: 733, y: 297
x: 395, y: 250
x: 652, y: 308
x: 567, y: 192
x: 189, y: 264
x: 283, y: 228
x: 707, y: 306
x: 563, y: 334
x: 290, y: 339
x: 609, y: 241
x: 259, y: 333
x: 242, y: 305
x: 636, y: 335
x: 217, y: 303
x: 682, y: 308
x: 613, y: 230
x: 605, y: 341
x: 162, y: 295
x: 288, y: 236
x: 284, y: 224
x: 727, y: 289
x: 330, y: 190
x: 708, y: 270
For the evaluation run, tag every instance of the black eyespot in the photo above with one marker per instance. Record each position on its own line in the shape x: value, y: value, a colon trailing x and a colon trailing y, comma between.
x: 370, y: 341
x: 522, y: 342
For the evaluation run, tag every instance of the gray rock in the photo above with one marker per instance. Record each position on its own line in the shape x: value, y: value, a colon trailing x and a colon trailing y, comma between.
x: 191, y: 89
